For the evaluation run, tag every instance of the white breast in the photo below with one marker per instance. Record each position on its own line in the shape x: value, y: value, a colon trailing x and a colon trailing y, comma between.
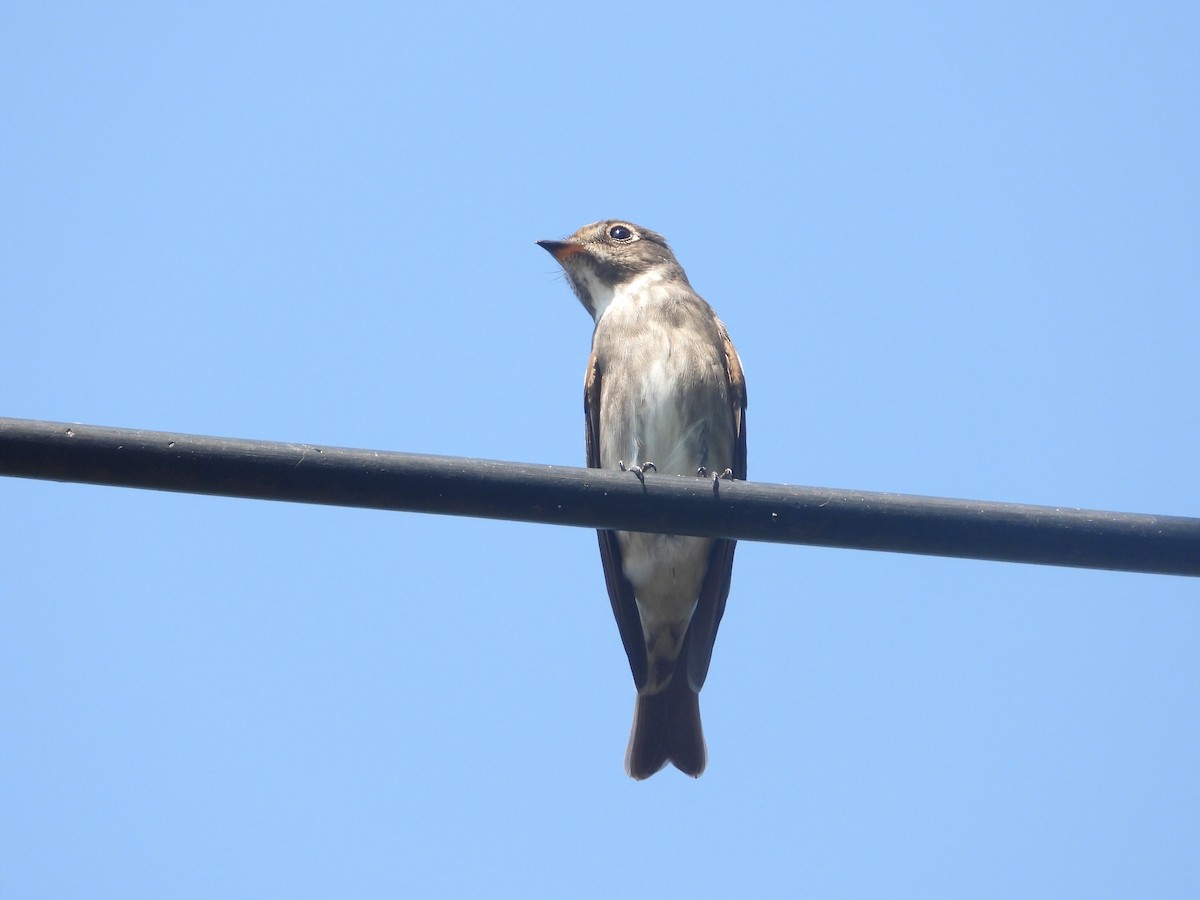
x: 604, y: 296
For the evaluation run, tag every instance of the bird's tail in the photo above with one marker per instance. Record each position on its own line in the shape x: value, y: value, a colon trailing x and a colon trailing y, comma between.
x: 666, y: 729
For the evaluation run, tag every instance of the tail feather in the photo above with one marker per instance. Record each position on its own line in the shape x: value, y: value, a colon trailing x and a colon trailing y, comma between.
x: 666, y: 729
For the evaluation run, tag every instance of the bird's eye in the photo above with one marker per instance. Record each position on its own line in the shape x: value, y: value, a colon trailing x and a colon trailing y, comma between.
x: 620, y: 233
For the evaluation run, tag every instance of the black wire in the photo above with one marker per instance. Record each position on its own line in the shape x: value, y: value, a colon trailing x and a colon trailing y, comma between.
x: 557, y: 495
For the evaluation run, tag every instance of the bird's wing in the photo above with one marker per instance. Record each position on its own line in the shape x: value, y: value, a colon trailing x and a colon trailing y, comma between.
x: 710, y: 605
x: 620, y: 591
x: 737, y: 392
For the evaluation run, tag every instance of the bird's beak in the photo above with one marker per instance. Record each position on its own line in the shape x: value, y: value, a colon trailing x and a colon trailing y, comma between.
x: 561, y: 250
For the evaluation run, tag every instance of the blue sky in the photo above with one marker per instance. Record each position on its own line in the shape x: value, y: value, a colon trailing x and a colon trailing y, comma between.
x: 957, y: 249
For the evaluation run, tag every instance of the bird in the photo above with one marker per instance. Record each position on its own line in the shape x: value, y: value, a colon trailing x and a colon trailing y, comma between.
x: 664, y: 392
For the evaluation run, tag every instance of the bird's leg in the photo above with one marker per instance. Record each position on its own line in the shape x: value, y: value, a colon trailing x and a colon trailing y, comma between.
x: 639, y: 471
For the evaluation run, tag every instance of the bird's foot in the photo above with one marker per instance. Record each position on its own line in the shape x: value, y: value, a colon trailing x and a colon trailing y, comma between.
x: 639, y: 471
x: 727, y: 475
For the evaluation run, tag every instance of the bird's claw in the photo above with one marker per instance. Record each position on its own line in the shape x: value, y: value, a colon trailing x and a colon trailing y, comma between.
x: 727, y: 475
x: 639, y: 471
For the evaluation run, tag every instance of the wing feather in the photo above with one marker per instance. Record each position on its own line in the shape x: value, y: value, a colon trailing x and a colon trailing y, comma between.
x: 620, y: 591
x: 714, y: 591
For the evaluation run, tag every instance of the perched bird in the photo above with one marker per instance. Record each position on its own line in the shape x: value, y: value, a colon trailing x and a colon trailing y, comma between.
x: 663, y: 392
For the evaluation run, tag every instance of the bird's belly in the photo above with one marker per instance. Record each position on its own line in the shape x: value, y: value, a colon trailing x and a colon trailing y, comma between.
x: 666, y: 401
x: 665, y: 418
